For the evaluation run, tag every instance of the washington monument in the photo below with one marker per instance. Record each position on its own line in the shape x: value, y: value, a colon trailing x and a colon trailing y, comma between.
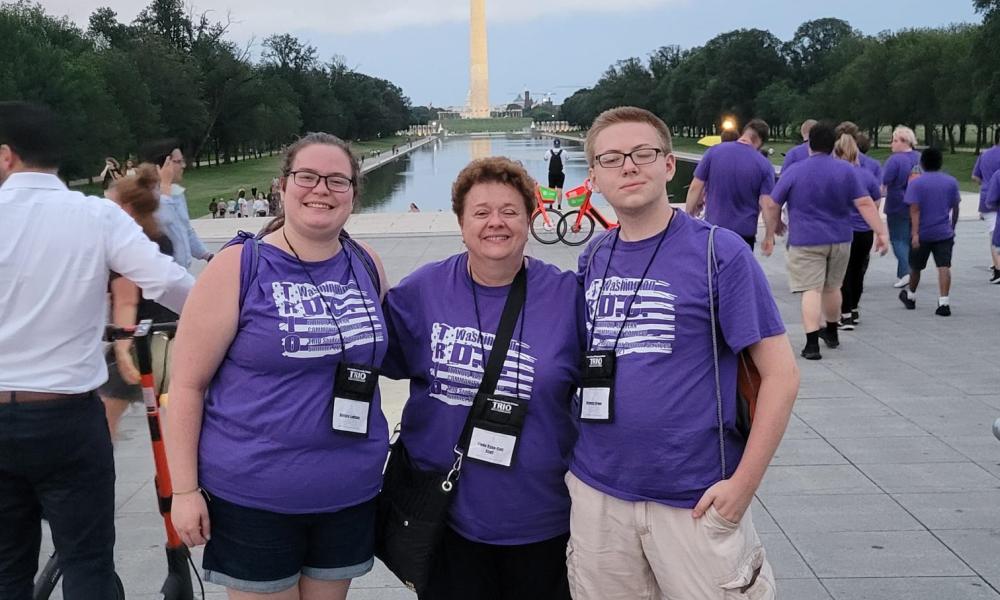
x: 479, y: 69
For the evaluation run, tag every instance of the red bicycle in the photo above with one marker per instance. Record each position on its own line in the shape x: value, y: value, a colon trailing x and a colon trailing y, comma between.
x: 577, y: 226
x: 545, y: 219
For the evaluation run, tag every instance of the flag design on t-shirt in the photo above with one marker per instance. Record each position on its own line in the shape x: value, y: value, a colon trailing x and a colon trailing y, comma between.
x: 458, y: 365
x: 650, y: 325
x: 309, y: 330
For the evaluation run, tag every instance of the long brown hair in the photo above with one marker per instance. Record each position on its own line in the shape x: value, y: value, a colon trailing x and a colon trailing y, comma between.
x: 137, y: 195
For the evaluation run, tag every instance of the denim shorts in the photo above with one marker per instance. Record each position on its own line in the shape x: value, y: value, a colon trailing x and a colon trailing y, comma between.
x: 264, y: 552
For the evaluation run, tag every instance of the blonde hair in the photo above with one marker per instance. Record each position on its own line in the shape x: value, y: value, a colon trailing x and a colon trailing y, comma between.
x: 905, y: 134
x: 846, y: 148
x: 626, y: 114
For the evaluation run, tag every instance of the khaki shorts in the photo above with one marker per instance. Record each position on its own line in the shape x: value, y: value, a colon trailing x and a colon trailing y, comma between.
x: 621, y: 550
x: 814, y: 267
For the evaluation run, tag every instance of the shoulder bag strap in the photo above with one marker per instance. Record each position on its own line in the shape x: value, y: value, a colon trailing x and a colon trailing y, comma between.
x: 711, y: 268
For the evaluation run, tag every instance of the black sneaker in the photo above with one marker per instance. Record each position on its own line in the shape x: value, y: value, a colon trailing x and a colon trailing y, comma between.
x: 943, y: 310
x: 856, y: 317
x: 994, y: 275
x: 830, y: 337
x: 811, y: 352
x: 846, y: 322
x: 909, y: 304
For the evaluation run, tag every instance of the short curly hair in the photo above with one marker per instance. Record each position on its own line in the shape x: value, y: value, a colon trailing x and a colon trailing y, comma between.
x: 494, y: 169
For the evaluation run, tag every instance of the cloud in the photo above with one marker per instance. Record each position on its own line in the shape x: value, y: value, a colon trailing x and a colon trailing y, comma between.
x: 262, y: 17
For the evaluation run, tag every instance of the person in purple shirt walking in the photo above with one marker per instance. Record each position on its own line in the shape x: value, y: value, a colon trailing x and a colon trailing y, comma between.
x: 820, y: 192
x: 800, y: 152
x: 509, y: 522
x: 933, y: 200
x: 896, y: 175
x: 275, y: 412
x: 993, y: 203
x: 864, y: 144
x: 847, y: 148
x: 987, y: 165
x: 738, y: 178
x: 661, y: 479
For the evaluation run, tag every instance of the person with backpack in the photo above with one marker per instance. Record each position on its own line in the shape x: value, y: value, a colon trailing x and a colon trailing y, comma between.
x: 509, y: 520
x: 557, y: 177
x: 213, y: 207
x: 661, y: 478
x: 277, y: 439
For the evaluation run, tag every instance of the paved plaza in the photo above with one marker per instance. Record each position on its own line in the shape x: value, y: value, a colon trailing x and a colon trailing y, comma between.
x: 887, y: 484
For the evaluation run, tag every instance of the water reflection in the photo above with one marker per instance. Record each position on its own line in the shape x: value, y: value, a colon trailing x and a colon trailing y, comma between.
x: 425, y: 176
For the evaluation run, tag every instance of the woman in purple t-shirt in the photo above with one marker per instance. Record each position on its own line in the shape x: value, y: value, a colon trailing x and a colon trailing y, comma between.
x: 509, y: 521
x: 275, y: 413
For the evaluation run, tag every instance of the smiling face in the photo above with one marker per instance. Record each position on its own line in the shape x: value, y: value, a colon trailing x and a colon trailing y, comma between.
x: 494, y: 222
x: 318, y: 210
x: 629, y: 187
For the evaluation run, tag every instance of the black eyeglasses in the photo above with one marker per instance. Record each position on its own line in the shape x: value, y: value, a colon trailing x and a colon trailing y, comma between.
x: 334, y: 183
x: 642, y: 156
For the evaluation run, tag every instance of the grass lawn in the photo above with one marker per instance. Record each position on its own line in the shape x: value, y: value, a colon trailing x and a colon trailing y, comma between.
x: 959, y: 164
x: 225, y: 180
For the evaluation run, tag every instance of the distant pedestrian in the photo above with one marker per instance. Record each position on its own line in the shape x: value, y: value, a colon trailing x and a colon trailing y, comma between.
x: 212, y: 207
x: 414, y: 207
x: 112, y: 172
x: 932, y: 200
x: 242, y: 209
x: 993, y: 204
x: 260, y: 206
x: 819, y: 192
x: 731, y: 182
x: 987, y: 165
x: 221, y: 208
x: 557, y: 177
x: 895, y: 177
x: 231, y: 205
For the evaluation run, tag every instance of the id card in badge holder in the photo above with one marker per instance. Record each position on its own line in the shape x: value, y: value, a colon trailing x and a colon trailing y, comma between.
x: 597, y: 389
x: 497, y: 422
x: 353, y: 392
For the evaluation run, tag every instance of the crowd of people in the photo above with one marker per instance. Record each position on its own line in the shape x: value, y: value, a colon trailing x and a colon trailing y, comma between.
x: 827, y: 200
x: 256, y: 204
x: 601, y: 453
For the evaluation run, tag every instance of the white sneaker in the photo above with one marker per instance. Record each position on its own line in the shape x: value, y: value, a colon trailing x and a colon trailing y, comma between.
x: 904, y: 280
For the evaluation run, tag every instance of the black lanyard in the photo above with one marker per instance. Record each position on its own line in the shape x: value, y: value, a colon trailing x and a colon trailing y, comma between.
x: 479, y: 324
x: 642, y: 280
x: 333, y: 317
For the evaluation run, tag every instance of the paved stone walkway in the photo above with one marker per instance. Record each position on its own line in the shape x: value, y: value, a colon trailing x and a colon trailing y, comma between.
x: 887, y: 484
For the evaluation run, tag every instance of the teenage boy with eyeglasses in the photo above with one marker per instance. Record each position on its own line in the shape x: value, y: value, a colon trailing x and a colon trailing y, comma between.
x: 661, y: 480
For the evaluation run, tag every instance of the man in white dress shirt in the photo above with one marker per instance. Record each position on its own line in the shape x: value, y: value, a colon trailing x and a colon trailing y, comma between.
x: 57, y: 249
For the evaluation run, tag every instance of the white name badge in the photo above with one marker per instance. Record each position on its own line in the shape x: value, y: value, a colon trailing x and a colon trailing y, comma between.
x: 595, y: 404
x: 492, y: 447
x: 350, y: 416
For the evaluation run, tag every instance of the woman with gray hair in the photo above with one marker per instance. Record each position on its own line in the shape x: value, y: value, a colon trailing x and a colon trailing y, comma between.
x: 896, y: 175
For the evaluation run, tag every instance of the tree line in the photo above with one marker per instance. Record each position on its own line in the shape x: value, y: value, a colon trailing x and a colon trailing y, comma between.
x: 946, y: 80
x: 172, y: 73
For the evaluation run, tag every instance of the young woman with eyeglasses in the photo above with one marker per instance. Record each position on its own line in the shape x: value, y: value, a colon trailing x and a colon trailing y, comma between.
x: 275, y: 448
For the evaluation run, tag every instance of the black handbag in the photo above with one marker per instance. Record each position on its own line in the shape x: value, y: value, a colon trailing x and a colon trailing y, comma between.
x: 412, y: 508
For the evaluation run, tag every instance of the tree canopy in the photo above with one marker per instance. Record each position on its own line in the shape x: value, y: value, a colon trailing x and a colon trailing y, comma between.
x: 171, y: 73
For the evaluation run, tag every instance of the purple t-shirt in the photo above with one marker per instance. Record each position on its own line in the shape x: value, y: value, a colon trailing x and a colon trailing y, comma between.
x: 993, y: 204
x: 663, y: 445
x: 895, y: 178
x: 874, y: 189
x: 936, y: 194
x: 796, y: 154
x: 435, y: 342
x: 872, y: 166
x: 987, y: 164
x: 736, y: 176
x: 267, y: 440
x: 820, y: 192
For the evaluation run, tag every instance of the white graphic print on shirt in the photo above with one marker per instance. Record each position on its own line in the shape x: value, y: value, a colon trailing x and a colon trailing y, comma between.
x: 458, y: 365
x: 309, y: 330
x: 650, y: 325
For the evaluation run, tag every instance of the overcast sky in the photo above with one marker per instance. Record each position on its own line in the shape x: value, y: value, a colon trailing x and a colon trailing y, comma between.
x: 548, y: 46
